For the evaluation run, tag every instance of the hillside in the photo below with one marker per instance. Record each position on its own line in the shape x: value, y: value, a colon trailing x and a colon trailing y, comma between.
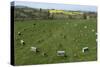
x: 27, y: 13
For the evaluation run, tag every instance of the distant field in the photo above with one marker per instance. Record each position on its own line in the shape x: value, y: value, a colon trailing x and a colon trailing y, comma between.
x: 52, y: 35
x: 65, y: 12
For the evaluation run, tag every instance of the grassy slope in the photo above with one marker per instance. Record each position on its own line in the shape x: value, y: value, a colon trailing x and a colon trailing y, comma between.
x: 51, y: 33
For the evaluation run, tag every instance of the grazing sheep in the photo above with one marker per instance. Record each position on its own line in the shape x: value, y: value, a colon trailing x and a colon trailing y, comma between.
x: 87, y: 17
x: 44, y: 54
x: 34, y: 49
x: 60, y: 53
x: 19, y: 33
x: 22, y: 42
x: 85, y: 49
x: 85, y: 27
x: 93, y: 30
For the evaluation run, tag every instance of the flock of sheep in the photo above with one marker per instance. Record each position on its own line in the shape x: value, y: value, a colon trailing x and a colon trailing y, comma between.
x: 59, y: 53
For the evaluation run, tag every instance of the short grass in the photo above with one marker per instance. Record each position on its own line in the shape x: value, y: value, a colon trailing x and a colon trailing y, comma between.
x: 52, y: 35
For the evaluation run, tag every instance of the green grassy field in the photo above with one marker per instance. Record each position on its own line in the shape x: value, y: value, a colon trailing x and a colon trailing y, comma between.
x: 52, y: 35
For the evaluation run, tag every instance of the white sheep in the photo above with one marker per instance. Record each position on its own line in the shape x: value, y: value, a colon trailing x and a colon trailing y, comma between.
x: 92, y: 30
x: 19, y: 33
x: 22, y: 42
x: 85, y: 27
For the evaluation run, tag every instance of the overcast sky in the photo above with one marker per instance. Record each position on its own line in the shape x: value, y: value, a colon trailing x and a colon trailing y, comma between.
x: 56, y: 6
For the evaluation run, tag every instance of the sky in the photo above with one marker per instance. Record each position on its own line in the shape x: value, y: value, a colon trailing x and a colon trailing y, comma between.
x: 56, y: 6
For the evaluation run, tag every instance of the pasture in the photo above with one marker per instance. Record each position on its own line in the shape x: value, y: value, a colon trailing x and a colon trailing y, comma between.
x: 51, y: 36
